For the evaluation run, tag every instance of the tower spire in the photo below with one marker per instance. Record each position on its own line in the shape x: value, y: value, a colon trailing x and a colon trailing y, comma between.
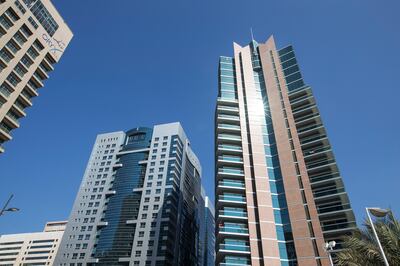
x: 251, y: 31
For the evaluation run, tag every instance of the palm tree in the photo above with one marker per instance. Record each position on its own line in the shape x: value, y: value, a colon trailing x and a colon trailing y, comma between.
x: 361, y: 248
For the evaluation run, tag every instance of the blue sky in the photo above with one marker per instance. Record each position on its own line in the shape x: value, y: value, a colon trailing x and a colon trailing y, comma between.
x: 138, y: 63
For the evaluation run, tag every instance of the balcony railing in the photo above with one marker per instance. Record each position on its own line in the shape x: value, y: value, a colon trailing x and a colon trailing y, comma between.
x: 228, y: 126
x: 230, y: 159
x: 233, y: 213
x: 231, y: 183
x: 231, y: 117
x: 230, y: 147
x: 233, y: 229
x: 239, y: 199
x: 230, y: 171
x: 232, y: 247
x: 229, y: 136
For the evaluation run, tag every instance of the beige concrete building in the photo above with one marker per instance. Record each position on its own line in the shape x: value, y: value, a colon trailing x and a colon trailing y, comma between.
x: 32, y: 248
x: 279, y: 193
x: 33, y: 37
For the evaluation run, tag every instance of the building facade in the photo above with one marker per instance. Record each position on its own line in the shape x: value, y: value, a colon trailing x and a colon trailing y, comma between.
x: 208, y: 257
x: 279, y: 193
x: 32, y: 248
x: 33, y: 37
x: 138, y: 203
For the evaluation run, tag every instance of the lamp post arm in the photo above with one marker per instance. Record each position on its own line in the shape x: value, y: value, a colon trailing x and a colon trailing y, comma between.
x: 377, y: 238
x: 5, y: 205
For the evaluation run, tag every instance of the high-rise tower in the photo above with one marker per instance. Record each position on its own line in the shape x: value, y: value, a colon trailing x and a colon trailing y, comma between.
x: 279, y: 193
x: 33, y: 37
x: 138, y: 203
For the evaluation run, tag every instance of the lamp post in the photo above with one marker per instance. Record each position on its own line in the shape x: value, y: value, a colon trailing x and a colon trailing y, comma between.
x: 329, y: 248
x: 379, y: 213
x: 5, y: 209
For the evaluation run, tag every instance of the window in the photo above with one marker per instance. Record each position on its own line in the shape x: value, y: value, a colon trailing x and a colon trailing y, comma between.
x: 165, y: 138
x: 145, y: 207
x: 138, y: 253
x: 164, y: 143
x: 154, y: 215
x: 155, y: 207
x: 156, y: 139
x: 144, y: 216
x: 142, y: 225
x: 148, y: 192
x: 160, y: 176
x: 158, y: 191
x: 153, y: 157
x: 162, y: 156
x: 146, y: 199
x: 139, y: 243
x: 141, y: 233
x: 164, y: 150
x: 43, y: 16
x: 160, y: 169
x: 152, y: 164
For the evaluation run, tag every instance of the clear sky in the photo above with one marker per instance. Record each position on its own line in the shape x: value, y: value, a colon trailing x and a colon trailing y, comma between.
x: 139, y: 63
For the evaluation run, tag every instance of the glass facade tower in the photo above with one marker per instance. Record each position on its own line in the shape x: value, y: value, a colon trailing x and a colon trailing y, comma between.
x: 139, y: 203
x: 279, y: 193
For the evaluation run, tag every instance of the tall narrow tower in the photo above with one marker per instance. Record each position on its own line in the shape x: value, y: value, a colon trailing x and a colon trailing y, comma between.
x: 279, y: 193
x: 33, y: 37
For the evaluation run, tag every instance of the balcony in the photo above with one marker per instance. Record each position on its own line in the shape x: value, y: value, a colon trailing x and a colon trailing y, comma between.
x: 5, y: 23
x: 19, y: 109
x: 229, y: 138
x: 233, y: 172
x: 227, y: 109
x: 11, y: 120
x: 229, y: 213
x: 230, y: 148
x: 37, y: 79
x: 26, y: 98
x: 231, y: 199
x: 223, y: 127
x: 47, y: 65
x: 5, y: 91
x: 231, y: 184
x: 229, y: 118
x: 225, y: 101
x: 42, y: 72
x: 102, y: 224
x: 5, y: 132
x: 229, y: 160
x: 233, y: 229
x: 32, y: 90
x: 234, y: 247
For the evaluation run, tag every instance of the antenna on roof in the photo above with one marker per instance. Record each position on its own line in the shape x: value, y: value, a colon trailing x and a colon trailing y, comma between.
x: 251, y: 31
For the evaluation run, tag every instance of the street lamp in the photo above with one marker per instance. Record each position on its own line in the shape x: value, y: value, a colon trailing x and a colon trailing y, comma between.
x: 329, y: 249
x: 379, y: 213
x: 5, y: 209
